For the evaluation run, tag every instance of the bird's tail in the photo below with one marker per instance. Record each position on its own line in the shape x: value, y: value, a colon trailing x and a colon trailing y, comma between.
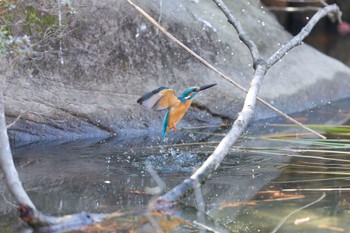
x: 165, y: 125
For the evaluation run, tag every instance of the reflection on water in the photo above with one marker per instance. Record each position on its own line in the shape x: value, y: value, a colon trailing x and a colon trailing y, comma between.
x: 253, y: 191
x: 307, y: 179
x: 104, y: 177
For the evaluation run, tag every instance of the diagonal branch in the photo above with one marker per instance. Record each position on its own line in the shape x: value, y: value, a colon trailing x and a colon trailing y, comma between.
x: 241, y: 32
x: 7, y: 165
x: 214, y: 160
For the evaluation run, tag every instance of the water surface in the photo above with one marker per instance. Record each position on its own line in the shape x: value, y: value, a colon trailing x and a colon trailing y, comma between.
x: 259, y: 186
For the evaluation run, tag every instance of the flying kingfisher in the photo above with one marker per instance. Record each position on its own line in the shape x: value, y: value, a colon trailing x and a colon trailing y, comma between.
x: 164, y: 98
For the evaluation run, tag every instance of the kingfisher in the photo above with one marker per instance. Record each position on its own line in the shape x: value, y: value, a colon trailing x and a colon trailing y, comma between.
x: 177, y: 106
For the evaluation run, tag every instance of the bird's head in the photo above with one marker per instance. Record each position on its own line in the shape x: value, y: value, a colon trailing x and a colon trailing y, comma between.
x: 190, y: 93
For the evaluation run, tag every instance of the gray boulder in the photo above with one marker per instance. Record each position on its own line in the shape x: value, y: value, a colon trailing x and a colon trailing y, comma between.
x: 112, y: 55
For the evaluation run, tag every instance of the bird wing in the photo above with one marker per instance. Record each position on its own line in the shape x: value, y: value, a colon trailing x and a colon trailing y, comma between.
x: 159, y: 99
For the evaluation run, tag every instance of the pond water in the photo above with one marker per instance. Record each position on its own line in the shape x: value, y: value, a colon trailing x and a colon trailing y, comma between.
x: 263, y: 185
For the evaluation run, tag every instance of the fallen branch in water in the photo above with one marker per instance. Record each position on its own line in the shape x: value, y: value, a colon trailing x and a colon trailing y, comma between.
x: 27, y: 210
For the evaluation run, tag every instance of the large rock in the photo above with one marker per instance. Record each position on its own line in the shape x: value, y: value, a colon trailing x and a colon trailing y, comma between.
x: 112, y: 55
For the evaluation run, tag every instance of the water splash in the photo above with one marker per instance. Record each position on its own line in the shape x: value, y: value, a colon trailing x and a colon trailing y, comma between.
x: 174, y: 161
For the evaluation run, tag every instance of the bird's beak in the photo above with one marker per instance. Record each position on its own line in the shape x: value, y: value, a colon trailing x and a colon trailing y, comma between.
x: 205, y: 87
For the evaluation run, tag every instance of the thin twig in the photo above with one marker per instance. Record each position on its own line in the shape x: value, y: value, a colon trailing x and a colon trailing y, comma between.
x: 8, y: 202
x: 293, y: 9
x: 60, y: 34
x: 295, y: 211
x: 305, y: 31
x: 222, y: 75
x: 17, y: 119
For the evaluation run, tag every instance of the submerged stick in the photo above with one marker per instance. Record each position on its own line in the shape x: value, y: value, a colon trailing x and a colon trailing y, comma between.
x: 295, y: 211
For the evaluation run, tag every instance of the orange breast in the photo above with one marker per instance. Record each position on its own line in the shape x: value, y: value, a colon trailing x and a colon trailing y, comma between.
x: 177, y: 112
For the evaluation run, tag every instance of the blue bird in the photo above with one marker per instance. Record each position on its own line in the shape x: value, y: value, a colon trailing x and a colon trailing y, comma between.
x: 164, y: 98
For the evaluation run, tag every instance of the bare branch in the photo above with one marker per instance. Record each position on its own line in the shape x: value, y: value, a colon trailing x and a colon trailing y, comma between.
x: 6, y: 163
x: 305, y: 31
x: 241, y: 33
x: 214, y: 160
